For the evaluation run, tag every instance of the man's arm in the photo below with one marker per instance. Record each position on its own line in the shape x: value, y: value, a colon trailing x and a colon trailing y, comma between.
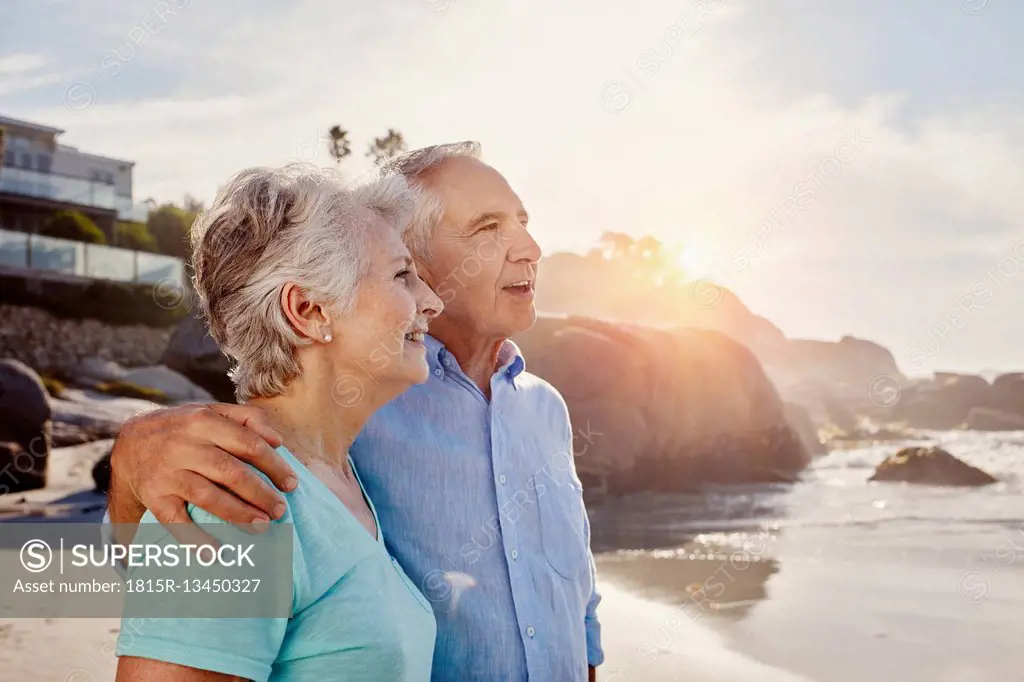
x: 595, y: 653
x: 197, y: 454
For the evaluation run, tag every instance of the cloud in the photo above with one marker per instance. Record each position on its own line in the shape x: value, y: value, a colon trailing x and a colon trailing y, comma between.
x: 19, y: 63
x: 19, y: 72
x: 711, y: 144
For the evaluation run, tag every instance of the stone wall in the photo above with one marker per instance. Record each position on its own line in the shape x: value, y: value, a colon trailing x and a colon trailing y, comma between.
x: 47, y: 343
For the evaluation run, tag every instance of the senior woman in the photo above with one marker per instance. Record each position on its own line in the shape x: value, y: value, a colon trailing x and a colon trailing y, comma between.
x: 308, y: 288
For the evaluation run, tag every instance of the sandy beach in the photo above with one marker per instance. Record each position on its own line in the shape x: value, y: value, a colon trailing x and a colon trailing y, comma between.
x: 828, y: 580
x: 644, y: 640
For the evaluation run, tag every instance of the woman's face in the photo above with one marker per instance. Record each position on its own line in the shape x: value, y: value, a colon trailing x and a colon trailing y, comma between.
x: 382, y: 336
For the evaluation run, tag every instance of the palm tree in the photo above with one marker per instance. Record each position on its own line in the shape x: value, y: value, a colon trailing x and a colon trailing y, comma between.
x: 615, y: 245
x: 338, y: 145
x: 383, y: 148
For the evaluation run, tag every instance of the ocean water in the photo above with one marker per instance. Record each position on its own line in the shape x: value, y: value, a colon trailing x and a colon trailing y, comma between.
x: 836, y: 578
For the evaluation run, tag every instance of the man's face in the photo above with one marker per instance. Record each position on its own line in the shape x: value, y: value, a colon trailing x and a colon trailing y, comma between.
x: 483, y: 261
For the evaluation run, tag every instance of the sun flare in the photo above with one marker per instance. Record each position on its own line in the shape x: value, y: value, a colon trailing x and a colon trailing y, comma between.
x: 688, y: 259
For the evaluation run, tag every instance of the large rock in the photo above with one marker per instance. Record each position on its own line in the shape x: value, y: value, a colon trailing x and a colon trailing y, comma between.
x: 172, y: 384
x: 799, y: 418
x: 99, y: 414
x: 988, y: 419
x: 93, y: 370
x: 193, y: 353
x: 663, y: 409
x: 175, y: 386
x: 1008, y: 393
x: 24, y: 426
x: 566, y: 285
x: 929, y: 466
x: 101, y: 474
x: 63, y: 435
x: 942, y: 403
x: 847, y: 366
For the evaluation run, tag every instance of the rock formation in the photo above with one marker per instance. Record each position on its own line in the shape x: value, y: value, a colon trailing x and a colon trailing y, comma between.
x: 953, y: 401
x: 101, y: 474
x: 929, y: 466
x: 193, y: 353
x: 831, y: 380
x: 663, y: 409
x: 1008, y: 393
x: 173, y: 385
x: 24, y: 428
x: 989, y: 419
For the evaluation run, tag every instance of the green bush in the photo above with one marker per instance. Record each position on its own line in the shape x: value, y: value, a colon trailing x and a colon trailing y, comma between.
x: 170, y: 226
x: 131, y: 235
x: 129, y: 390
x: 115, y: 303
x: 75, y: 226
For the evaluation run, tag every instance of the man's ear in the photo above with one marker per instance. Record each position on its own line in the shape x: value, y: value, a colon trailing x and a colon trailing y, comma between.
x: 306, y: 317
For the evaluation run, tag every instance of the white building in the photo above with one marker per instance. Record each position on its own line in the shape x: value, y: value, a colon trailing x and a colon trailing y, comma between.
x: 39, y: 176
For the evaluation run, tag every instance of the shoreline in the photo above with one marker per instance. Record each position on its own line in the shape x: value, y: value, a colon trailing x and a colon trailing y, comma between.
x: 649, y: 640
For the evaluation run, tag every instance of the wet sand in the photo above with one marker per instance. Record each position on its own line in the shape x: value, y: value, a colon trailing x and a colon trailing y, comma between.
x: 648, y: 640
x: 837, y: 578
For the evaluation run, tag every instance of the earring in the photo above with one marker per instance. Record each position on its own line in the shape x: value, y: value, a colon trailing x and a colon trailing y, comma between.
x: 327, y: 337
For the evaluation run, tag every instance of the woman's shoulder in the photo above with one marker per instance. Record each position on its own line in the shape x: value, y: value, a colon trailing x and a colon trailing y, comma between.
x: 201, y: 516
x: 321, y: 528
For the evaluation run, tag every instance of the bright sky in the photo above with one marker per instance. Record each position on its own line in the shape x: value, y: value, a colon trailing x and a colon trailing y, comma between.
x: 846, y: 167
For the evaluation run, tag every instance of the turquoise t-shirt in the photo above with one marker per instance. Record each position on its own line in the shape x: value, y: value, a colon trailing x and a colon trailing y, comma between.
x: 357, y: 616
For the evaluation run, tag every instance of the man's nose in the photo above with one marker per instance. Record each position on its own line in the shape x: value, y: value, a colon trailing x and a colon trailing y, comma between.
x: 525, y: 249
x: 430, y: 304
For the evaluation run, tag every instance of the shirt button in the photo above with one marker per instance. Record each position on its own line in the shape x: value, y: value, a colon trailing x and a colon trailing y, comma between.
x: 530, y: 632
x: 438, y: 371
x: 502, y: 479
x: 514, y: 554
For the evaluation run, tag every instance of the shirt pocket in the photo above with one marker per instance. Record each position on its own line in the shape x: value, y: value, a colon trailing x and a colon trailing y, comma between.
x: 560, y: 505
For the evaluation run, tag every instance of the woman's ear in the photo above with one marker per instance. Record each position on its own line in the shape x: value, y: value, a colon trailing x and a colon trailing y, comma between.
x: 306, y: 318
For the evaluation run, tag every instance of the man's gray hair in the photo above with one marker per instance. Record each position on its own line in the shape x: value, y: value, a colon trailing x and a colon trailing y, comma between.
x: 271, y: 226
x: 414, y: 166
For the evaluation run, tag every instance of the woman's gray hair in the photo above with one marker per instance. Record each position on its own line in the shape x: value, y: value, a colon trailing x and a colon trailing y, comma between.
x: 414, y: 166
x: 271, y: 226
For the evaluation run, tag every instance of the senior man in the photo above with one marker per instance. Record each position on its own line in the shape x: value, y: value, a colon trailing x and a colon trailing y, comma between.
x: 489, y: 520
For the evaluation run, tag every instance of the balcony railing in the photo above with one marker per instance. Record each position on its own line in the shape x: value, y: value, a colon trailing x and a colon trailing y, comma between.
x: 57, y: 188
x: 126, y: 210
x: 22, y: 250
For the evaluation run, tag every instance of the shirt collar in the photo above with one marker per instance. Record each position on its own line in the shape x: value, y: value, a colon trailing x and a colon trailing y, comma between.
x: 510, y: 360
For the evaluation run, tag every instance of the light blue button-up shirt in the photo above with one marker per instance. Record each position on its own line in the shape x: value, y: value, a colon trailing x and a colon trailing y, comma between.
x: 480, y: 503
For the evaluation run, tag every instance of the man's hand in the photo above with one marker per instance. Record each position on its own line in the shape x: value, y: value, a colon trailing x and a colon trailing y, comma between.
x: 196, y: 453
